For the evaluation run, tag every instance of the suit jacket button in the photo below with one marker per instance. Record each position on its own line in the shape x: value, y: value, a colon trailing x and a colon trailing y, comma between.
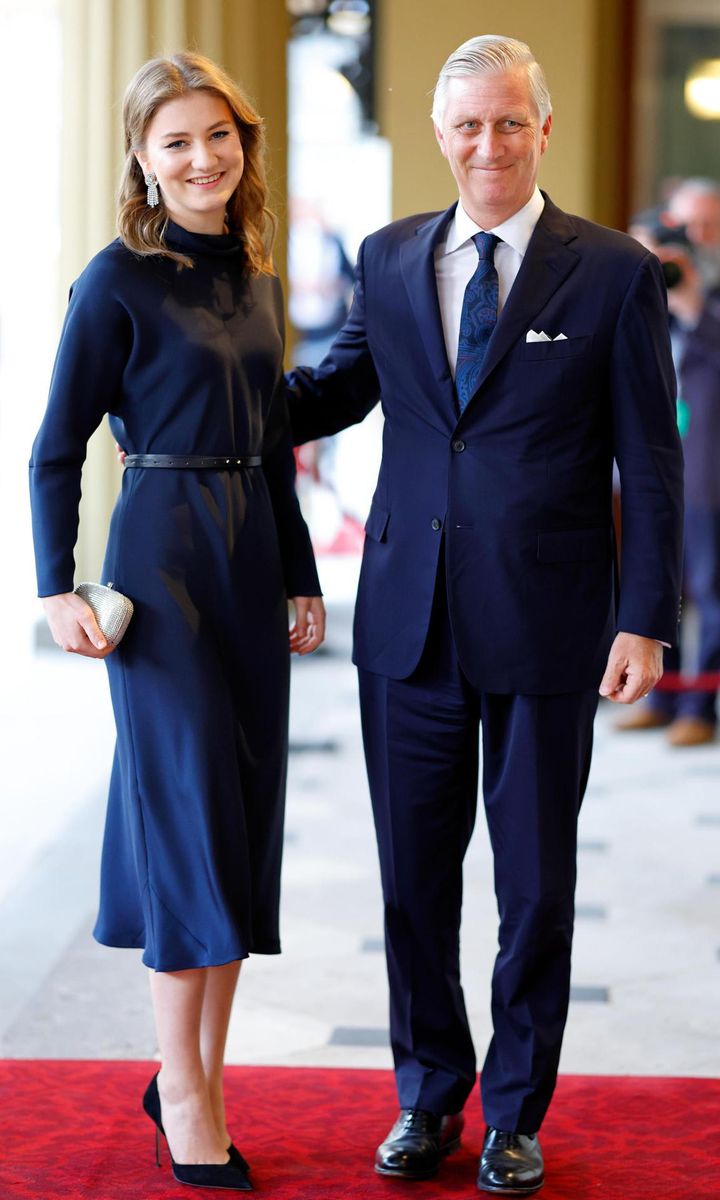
x: 458, y: 445
x: 436, y: 523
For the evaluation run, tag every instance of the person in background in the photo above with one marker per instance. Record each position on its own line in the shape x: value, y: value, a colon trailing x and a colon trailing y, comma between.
x: 686, y: 238
x: 517, y: 350
x: 694, y: 204
x: 176, y: 331
x: 321, y: 279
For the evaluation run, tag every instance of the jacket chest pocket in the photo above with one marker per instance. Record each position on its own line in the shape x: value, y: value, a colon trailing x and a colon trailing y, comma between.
x: 569, y: 347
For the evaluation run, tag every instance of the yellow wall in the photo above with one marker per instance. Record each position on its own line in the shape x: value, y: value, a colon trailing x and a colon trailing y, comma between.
x: 570, y: 39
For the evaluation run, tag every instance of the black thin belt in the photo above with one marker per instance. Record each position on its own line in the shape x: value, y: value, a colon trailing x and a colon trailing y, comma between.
x: 194, y: 462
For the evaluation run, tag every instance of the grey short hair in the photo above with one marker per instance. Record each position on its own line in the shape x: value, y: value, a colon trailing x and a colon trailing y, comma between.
x: 492, y: 55
x: 696, y: 185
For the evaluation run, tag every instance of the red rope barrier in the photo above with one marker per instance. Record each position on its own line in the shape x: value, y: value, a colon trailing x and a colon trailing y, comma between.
x: 673, y: 681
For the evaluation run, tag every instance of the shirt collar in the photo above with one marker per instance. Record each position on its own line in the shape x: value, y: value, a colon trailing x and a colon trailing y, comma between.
x: 516, y: 231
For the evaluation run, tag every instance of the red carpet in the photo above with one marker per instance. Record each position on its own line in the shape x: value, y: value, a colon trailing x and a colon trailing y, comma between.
x: 76, y: 1131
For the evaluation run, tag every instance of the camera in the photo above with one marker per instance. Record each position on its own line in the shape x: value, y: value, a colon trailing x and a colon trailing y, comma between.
x: 648, y: 226
x: 672, y: 235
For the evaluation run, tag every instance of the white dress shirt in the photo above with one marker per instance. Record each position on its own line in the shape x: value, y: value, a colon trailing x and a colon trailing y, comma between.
x: 456, y: 259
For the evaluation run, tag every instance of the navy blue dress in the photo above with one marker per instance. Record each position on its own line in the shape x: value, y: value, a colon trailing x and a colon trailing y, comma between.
x: 185, y: 361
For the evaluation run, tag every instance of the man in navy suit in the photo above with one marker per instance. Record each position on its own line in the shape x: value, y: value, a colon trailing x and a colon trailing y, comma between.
x: 516, y: 351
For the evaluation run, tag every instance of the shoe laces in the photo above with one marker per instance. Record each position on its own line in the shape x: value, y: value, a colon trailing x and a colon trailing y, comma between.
x: 416, y: 1119
x: 508, y: 1141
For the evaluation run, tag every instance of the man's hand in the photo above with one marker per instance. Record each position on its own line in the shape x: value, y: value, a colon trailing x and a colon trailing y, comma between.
x: 635, y: 664
x: 309, y: 629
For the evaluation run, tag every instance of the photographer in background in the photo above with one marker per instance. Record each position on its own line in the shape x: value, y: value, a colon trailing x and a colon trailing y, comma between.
x: 687, y: 253
x: 695, y: 206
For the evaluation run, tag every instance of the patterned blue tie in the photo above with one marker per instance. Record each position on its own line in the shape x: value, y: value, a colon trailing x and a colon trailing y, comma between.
x: 478, y: 319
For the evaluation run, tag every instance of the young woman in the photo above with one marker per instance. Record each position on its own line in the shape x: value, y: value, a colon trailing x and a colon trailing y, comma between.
x: 176, y: 331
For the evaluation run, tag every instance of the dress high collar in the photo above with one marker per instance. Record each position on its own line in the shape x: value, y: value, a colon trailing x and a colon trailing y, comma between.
x: 214, y: 245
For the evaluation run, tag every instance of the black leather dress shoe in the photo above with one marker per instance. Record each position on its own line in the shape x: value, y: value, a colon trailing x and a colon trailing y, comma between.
x: 511, y: 1164
x: 416, y: 1143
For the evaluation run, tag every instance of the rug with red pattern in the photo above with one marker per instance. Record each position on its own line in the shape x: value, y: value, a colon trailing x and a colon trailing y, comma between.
x: 75, y: 1130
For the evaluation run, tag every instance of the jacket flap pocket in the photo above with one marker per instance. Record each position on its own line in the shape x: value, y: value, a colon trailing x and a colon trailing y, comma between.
x: 565, y: 348
x: 376, y: 524
x: 573, y: 545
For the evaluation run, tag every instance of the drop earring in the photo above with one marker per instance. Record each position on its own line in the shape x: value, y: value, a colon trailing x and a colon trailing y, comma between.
x: 153, y: 197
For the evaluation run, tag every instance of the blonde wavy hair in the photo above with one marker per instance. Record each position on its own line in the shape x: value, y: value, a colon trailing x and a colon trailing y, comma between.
x: 142, y: 228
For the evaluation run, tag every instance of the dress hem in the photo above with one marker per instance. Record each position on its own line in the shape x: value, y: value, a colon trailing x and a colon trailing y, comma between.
x: 128, y: 942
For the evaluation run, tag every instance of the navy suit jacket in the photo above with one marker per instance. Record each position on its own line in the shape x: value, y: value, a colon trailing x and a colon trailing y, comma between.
x: 517, y: 488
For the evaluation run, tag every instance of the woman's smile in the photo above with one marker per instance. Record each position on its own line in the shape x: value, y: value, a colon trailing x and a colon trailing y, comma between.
x: 207, y: 180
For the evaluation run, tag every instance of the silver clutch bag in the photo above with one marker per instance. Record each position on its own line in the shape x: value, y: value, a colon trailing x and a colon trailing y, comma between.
x: 112, y: 610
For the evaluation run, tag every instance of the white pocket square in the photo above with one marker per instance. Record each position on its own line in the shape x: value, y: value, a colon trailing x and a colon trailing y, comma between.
x: 532, y: 336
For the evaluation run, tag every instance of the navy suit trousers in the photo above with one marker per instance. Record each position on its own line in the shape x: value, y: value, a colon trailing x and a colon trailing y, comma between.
x: 421, y: 746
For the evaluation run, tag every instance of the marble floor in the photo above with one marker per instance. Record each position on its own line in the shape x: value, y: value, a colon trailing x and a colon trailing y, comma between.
x: 646, y: 981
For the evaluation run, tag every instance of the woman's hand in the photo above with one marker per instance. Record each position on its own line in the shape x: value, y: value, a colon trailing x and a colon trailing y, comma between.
x: 121, y: 454
x: 309, y: 629
x: 73, y: 626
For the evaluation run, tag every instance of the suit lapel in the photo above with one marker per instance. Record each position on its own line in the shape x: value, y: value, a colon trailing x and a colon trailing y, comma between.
x: 548, y: 261
x: 417, y: 264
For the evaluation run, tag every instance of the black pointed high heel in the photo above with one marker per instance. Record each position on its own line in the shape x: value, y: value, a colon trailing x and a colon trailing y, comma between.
x: 212, y: 1175
x: 151, y: 1104
x: 232, y: 1175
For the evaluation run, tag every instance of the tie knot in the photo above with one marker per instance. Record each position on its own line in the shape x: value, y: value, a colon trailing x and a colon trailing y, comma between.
x: 485, y: 244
